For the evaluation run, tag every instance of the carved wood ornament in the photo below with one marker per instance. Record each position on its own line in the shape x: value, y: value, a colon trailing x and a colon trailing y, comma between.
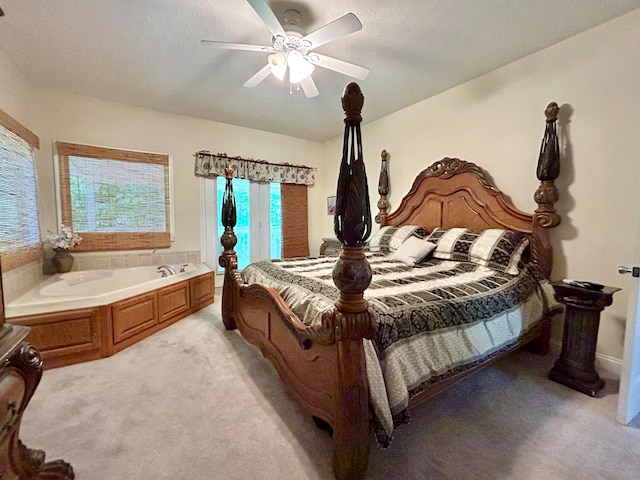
x: 547, y: 194
x: 383, y: 189
x: 20, y: 373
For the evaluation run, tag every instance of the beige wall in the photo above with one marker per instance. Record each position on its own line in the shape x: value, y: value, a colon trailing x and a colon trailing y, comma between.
x: 497, y: 121
x: 88, y: 120
x: 15, y: 92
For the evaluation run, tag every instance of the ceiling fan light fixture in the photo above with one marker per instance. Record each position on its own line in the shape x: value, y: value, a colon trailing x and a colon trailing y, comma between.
x: 292, y: 49
x: 278, y: 65
x: 299, y: 67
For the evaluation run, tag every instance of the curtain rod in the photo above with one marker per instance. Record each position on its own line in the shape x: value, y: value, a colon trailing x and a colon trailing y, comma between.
x: 264, y: 162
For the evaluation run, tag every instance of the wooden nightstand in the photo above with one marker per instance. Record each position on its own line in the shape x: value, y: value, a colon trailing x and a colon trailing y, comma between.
x: 575, y: 366
x: 330, y: 246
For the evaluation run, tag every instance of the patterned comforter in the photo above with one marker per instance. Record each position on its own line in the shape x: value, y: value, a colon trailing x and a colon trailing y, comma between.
x: 433, y: 320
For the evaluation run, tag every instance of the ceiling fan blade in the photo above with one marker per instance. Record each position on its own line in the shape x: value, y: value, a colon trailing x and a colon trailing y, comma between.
x: 263, y: 73
x: 268, y: 17
x: 344, y: 25
x: 346, y: 68
x: 309, y: 87
x: 236, y: 46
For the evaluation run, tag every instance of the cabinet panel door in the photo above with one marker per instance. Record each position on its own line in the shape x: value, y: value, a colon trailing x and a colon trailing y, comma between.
x: 201, y: 290
x: 173, y: 300
x: 64, y: 333
x: 134, y: 315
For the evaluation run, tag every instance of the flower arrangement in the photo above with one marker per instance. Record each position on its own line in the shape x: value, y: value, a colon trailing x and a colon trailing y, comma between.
x: 66, y: 240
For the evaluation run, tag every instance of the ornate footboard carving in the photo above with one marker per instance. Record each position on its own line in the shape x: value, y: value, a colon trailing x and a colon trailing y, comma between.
x: 322, y: 368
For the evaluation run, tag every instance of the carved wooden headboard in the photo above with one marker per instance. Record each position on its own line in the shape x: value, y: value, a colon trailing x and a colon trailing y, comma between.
x: 456, y: 193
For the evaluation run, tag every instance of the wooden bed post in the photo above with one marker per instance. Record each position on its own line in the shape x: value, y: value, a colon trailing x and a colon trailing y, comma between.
x: 546, y: 195
x: 383, y: 190
x: 545, y: 216
x: 228, y: 260
x: 353, y: 318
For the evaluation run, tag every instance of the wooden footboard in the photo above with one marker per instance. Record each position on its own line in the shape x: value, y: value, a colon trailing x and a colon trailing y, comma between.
x: 322, y: 368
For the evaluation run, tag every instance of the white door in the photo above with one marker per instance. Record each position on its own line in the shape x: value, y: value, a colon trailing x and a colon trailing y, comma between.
x: 629, y: 400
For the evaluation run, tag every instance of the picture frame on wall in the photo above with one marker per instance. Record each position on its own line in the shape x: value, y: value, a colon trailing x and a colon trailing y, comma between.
x: 331, y: 205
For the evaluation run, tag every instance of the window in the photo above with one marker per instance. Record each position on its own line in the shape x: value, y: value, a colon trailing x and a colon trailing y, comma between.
x: 115, y: 199
x: 19, y: 228
x: 271, y: 203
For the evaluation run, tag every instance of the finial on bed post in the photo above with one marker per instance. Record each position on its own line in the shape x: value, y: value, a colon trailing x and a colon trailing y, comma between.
x: 228, y: 260
x: 383, y: 190
x: 352, y: 220
x: 352, y: 318
x: 546, y: 195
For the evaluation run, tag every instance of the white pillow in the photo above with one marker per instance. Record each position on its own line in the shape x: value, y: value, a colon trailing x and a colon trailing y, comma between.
x: 413, y: 250
x: 389, y: 238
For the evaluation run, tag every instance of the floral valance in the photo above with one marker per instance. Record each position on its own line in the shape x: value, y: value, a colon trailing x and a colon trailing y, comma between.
x: 212, y: 165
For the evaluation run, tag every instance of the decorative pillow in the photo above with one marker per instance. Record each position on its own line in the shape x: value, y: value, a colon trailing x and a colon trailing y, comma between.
x: 389, y: 238
x: 495, y: 248
x: 413, y: 250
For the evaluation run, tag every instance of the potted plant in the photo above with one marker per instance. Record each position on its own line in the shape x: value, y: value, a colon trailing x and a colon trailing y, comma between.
x: 62, y: 244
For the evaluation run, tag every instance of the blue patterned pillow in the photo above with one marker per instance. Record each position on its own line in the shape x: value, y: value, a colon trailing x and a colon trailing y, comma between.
x: 495, y: 248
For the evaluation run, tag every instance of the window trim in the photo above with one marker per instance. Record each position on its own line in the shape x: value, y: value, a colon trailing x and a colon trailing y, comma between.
x: 102, y: 241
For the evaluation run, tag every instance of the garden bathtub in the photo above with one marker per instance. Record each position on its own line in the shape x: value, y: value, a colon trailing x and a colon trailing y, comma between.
x: 90, y: 314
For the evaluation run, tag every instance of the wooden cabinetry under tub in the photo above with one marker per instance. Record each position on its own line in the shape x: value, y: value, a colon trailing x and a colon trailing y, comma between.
x: 201, y: 289
x: 84, y: 334
x: 134, y: 316
x: 69, y: 337
x: 173, y: 302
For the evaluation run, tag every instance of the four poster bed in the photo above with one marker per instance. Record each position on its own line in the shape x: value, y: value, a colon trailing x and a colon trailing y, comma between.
x: 358, y: 358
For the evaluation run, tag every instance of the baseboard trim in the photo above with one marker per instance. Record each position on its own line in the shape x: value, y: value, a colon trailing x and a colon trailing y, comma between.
x: 606, y: 366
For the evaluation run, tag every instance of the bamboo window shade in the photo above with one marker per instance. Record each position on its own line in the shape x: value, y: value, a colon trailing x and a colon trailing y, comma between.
x: 115, y: 199
x: 19, y: 226
x: 295, y: 234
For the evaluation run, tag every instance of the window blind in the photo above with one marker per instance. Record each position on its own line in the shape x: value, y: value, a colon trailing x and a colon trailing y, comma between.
x: 295, y: 226
x: 115, y: 199
x: 19, y: 227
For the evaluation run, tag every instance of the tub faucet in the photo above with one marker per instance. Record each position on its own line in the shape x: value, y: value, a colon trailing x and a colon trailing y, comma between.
x: 166, y: 270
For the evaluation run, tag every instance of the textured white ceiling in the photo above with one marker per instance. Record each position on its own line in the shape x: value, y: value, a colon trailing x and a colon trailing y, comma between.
x: 148, y: 52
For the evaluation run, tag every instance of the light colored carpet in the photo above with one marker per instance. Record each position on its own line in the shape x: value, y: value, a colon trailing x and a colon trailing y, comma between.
x: 196, y: 402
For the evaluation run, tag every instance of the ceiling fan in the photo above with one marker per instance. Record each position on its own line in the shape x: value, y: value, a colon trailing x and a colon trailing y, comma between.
x: 292, y: 50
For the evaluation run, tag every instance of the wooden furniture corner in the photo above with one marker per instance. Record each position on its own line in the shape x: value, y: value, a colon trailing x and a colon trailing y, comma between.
x: 20, y: 373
